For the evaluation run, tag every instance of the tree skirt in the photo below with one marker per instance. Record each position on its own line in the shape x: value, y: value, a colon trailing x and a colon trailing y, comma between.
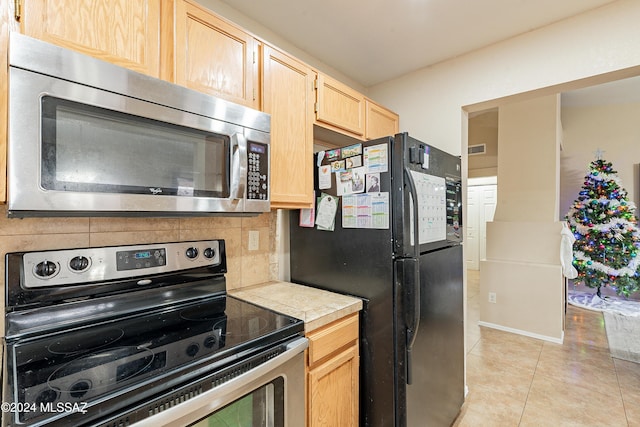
x: 607, y: 304
x: 621, y: 321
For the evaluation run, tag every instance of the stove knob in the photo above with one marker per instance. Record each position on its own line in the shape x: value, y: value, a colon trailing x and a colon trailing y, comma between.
x: 193, y: 349
x: 209, y: 253
x: 79, y: 263
x: 80, y: 388
x: 210, y: 341
x: 46, y: 269
x: 191, y: 253
x: 47, y: 396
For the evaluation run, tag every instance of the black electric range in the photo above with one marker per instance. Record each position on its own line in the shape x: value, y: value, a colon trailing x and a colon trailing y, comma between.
x: 94, y: 333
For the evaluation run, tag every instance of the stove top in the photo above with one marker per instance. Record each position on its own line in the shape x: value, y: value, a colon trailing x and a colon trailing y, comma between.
x: 100, y: 353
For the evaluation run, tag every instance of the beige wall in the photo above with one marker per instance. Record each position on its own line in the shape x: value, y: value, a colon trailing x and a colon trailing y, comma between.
x: 522, y: 267
x: 528, y: 160
x: 483, y: 129
x: 591, y: 48
x: 245, y: 267
x: 613, y: 128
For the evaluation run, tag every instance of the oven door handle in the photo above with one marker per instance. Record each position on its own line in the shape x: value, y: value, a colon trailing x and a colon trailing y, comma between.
x: 239, y: 162
x: 207, y: 403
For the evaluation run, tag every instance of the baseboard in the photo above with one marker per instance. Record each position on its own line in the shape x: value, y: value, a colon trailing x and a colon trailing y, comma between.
x: 521, y: 332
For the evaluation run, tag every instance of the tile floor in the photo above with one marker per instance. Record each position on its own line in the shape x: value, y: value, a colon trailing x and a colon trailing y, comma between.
x: 515, y: 380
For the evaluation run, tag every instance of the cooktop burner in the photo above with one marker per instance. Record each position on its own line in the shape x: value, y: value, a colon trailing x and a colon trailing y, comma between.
x: 84, y: 341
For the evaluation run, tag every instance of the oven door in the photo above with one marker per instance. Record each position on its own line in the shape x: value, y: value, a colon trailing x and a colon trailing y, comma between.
x: 270, y: 395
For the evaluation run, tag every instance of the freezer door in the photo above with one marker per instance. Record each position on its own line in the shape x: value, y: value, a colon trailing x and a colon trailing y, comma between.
x: 436, y: 392
x: 429, y: 190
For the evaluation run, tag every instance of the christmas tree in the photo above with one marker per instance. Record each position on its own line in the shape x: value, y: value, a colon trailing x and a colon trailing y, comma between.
x: 607, y: 246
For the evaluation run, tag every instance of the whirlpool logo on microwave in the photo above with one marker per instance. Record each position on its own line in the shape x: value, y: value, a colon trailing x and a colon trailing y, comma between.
x: 155, y: 191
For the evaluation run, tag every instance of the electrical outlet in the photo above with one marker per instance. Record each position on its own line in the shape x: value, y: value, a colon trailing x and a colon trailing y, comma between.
x: 492, y: 297
x: 254, y: 240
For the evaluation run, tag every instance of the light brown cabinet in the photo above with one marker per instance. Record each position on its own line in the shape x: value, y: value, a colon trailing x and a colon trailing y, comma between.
x: 288, y: 96
x: 332, y: 374
x: 338, y: 107
x: 213, y: 56
x: 380, y: 121
x: 123, y: 32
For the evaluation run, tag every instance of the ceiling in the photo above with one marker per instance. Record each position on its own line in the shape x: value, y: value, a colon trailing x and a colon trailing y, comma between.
x: 372, y: 41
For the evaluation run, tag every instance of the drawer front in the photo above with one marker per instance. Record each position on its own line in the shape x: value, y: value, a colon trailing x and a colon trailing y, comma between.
x: 331, y: 338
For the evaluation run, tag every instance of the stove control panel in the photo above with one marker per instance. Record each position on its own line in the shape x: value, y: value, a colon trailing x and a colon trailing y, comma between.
x: 85, y: 265
x: 146, y: 258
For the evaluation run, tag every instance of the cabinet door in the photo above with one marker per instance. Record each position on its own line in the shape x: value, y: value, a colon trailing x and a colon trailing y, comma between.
x: 123, y: 32
x: 288, y: 96
x: 380, y: 121
x: 213, y: 56
x: 333, y: 391
x: 339, y: 107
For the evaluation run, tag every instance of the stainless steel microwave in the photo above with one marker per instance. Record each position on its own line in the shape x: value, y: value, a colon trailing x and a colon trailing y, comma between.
x: 87, y: 137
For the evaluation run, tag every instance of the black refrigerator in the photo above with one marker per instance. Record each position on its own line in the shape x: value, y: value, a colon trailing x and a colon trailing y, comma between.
x: 387, y: 228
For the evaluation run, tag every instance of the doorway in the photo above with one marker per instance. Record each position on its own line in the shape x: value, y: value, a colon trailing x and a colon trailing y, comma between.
x: 481, y: 206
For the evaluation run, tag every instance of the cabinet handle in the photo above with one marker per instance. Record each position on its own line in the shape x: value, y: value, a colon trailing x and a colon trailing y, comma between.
x: 17, y: 9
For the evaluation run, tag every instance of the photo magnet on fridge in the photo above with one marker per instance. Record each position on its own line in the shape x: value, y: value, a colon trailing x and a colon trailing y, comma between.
x: 324, y: 177
x: 331, y: 155
x: 353, y: 162
x: 337, y: 166
x: 352, y: 150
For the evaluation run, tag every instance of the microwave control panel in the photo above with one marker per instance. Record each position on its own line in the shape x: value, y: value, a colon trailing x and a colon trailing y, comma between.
x: 258, y: 174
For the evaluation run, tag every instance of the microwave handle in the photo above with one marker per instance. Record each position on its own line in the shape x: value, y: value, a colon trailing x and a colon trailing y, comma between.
x: 238, y: 166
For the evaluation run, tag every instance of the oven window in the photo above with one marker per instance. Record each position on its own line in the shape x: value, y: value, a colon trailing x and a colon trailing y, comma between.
x: 263, y: 407
x: 91, y: 149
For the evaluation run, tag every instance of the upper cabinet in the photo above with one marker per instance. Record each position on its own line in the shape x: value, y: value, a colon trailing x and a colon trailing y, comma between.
x: 380, y: 121
x: 123, y: 32
x: 288, y: 96
x: 339, y: 107
x: 344, y: 110
x: 213, y: 56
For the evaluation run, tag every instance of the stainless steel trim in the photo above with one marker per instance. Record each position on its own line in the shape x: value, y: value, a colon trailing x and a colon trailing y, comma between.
x: 289, y: 365
x: 102, y: 267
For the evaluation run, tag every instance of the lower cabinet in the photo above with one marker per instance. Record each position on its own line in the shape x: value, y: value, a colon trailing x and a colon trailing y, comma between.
x: 333, y: 374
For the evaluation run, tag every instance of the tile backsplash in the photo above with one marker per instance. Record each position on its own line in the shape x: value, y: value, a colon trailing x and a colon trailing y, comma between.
x: 245, y: 267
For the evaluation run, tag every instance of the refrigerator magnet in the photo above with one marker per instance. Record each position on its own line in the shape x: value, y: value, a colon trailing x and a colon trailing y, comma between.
x: 331, y: 155
x: 308, y: 216
x: 337, y: 166
x: 324, y: 177
x: 353, y: 162
x: 373, y: 182
x: 351, y: 150
x: 345, y: 176
x: 326, y: 214
x: 350, y: 182
x: 376, y: 158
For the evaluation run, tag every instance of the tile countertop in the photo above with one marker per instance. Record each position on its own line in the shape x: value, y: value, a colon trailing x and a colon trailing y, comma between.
x: 316, y: 307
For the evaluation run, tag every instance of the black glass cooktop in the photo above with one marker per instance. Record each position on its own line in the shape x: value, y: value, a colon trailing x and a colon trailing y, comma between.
x: 86, y: 364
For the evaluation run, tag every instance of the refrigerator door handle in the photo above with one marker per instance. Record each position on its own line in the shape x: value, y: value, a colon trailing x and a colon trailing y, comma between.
x: 412, y: 276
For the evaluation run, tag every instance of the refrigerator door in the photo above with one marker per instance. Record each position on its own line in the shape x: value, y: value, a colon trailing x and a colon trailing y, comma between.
x: 436, y: 392
x: 357, y: 262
